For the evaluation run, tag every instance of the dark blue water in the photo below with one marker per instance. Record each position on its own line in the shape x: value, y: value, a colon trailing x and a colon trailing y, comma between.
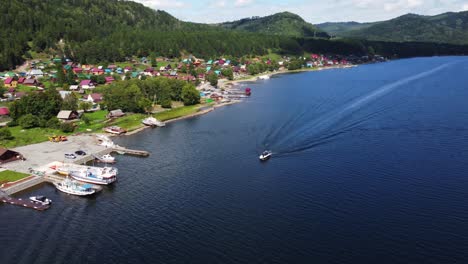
x: 370, y: 166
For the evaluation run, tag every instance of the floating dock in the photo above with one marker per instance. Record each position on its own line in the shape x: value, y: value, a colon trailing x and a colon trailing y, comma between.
x: 24, y: 203
x: 133, y: 152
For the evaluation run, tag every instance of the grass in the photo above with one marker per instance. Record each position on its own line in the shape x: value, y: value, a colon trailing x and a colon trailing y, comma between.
x: 11, y: 176
x: 97, y: 122
x: 29, y: 136
x: 129, y: 122
x: 24, y: 88
x: 177, y: 112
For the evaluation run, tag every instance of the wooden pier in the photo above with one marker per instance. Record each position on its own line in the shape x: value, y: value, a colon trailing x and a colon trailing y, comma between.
x: 24, y: 203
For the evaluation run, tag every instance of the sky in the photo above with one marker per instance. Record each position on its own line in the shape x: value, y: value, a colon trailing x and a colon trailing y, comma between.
x: 314, y: 11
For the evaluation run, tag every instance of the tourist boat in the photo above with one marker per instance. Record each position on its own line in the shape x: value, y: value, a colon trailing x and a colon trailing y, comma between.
x: 93, y: 176
x: 151, y: 121
x: 106, y: 158
x: 115, y: 130
x: 40, y: 200
x: 265, y: 155
x: 73, y: 187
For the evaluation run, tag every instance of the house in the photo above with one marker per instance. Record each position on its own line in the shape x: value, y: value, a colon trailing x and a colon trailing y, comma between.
x: 10, y: 82
x: 77, y: 70
x: 97, y: 71
x: 66, y: 115
x: 31, y: 82
x: 87, y: 84
x: 94, y: 98
x: 7, y: 155
x: 74, y: 87
x: 36, y: 73
x: 173, y: 73
x: 115, y: 113
x: 109, y: 79
x: 64, y: 94
x: 4, y: 111
x: 21, y: 80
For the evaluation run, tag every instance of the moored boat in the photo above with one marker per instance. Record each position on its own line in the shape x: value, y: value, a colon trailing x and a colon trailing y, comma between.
x: 151, y: 121
x: 40, y: 200
x: 106, y: 158
x: 115, y: 130
x: 93, y: 177
x: 73, y: 187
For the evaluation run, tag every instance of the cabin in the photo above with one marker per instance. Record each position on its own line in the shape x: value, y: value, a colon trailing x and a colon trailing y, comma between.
x: 21, y: 80
x: 31, y: 82
x: 115, y: 113
x: 97, y: 71
x: 109, y: 79
x: 95, y: 98
x: 7, y: 155
x: 77, y: 70
x: 87, y: 84
x: 4, y: 111
x: 10, y: 82
x: 67, y: 115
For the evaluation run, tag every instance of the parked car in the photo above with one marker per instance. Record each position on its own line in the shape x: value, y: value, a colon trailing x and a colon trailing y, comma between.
x: 70, y: 156
x: 80, y: 153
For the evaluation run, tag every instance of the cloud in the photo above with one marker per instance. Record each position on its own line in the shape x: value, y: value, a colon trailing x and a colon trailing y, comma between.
x: 240, y: 3
x: 465, y: 7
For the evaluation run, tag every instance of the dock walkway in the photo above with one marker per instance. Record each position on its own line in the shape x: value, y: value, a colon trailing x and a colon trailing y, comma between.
x: 24, y: 203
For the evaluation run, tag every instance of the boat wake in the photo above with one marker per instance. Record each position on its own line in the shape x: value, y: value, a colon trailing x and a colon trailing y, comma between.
x: 305, y: 133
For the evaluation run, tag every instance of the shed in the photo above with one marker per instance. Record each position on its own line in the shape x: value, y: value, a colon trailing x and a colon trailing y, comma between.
x: 68, y: 115
x: 115, y: 113
x: 7, y: 155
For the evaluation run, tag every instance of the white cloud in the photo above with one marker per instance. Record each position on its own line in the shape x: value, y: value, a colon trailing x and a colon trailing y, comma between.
x: 465, y: 7
x: 239, y: 3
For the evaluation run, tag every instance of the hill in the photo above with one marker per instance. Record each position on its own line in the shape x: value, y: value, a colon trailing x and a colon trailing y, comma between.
x: 338, y: 28
x: 286, y: 24
x: 445, y: 28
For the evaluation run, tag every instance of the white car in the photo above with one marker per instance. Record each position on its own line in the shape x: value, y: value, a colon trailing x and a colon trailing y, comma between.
x: 70, y: 156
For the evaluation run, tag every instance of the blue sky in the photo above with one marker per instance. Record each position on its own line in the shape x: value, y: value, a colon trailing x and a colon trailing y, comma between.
x: 314, y: 11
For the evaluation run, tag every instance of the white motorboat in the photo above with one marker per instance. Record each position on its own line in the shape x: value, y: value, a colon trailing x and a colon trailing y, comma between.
x: 264, y: 77
x: 40, y: 200
x: 151, y: 121
x: 115, y: 130
x: 92, y: 177
x: 106, y: 158
x: 73, y: 187
x: 265, y: 155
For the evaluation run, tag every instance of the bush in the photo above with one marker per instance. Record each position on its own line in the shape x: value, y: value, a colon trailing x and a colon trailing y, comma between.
x: 42, y: 122
x: 67, y: 127
x: 5, y: 134
x: 53, y: 123
x: 28, y: 121
x: 86, y: 119
x: 12, y: 123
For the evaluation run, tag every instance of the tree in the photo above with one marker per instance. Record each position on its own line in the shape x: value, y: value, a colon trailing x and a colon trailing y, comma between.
x: 212, y: 78
x: 5, y: 134
x: 228, y: 73
x: 190, y: 95
x: 71, y: 77
x: 61, y: 78
x: 53, y: 123
x: 70, y: 102
x: 28, y: 121
x: 85, y: 106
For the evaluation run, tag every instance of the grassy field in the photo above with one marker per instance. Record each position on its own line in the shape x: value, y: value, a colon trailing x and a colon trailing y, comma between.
x: 129, y: 122
x: 11, y: 176
x: 177, y: 112
x: 97, y: 122
x: 29, y: 136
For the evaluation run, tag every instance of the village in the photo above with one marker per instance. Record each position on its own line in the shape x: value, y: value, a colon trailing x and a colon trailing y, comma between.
x: 28, y: 162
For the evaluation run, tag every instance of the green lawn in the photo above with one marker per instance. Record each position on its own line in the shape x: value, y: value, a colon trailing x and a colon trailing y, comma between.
x: 177, y: 112
x: 24, y: 88
x: 29, y: 136
x: 11, y: 176
x: 129, y: 122
x: 97, y: 122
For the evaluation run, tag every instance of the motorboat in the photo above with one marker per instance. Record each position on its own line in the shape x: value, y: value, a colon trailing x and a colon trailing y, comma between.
x: 115, y: 130
x: 106, y: 158
x: 264, y: 77
x: 73, y: 187
x: 42, y: 200
x: 265, y: 155
x: 153, y: 122
x: 91, y: 176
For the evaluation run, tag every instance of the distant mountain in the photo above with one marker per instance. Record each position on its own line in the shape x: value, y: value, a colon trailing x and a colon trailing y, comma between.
x: 286, y: 24
x: 338, y: 28
x: 445, y: 28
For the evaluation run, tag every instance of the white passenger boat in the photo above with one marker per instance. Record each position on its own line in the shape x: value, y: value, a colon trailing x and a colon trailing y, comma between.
x: 87, y: 175
x: 151, y: 121
x: 73, y: 187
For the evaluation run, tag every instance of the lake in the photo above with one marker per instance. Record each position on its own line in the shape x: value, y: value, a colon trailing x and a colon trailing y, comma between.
x: 370, y: 165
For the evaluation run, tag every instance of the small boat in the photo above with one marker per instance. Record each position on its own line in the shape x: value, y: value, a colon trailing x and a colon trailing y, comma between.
x: 115, y: 130
x: 265, y: 155
x: 248, y: 91
x: 62, y: 170
x: 152, y: 122
x: 106, y: 158
x: 264, y: 77
x: 40, y: 200
x: 73, y: 187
